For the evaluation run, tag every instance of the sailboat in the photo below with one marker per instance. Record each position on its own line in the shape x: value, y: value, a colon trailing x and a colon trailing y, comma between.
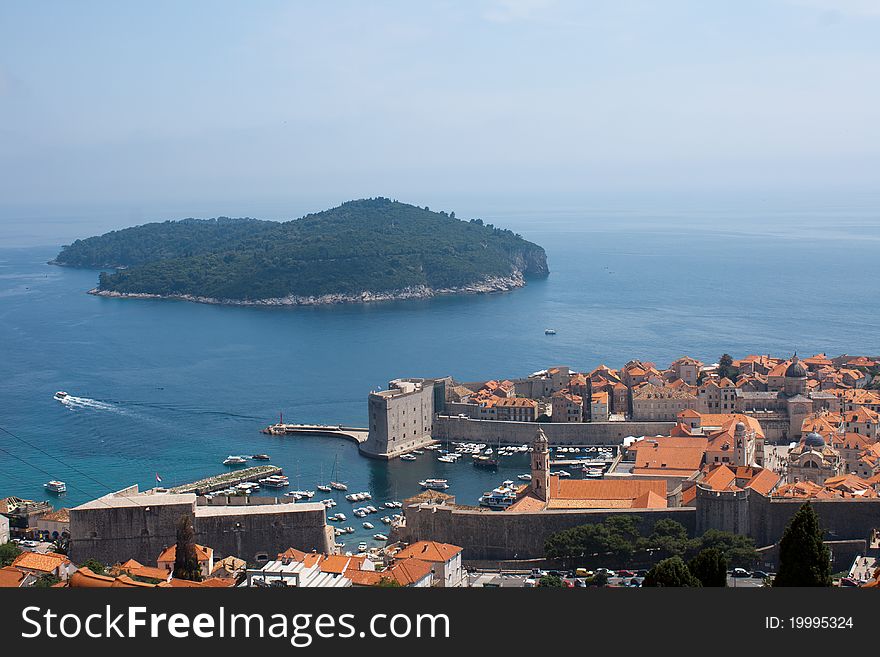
x: 337, y: 485
x: 324, y: 488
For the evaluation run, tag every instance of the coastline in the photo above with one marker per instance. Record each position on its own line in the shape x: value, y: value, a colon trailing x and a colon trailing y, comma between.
x: 488, y: 285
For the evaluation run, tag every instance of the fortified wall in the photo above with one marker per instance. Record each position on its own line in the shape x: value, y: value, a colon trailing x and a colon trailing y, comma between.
x: 499, y: 535
x: 764, y: 519
x: 493, y: 432
x: 132, y: 525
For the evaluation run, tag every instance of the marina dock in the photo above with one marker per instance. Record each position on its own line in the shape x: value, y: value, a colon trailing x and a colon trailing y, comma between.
x: 358, y: 435
x: 227, y: 479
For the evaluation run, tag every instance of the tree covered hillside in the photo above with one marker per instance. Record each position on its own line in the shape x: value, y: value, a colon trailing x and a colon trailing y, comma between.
x: 373, y: 245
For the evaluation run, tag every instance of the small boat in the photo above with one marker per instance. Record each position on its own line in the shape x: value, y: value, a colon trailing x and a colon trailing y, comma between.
x: 499, y: 498
x: 524, y: 477
x: 275, y: 481
x: 549, y: 331
x: 434, y: 484
x: 368, y: 525
x: 593, y: 473
x: 337, y: 485
x: 407, y: 457
x: 485, y: 463
x: 324, y: 488
x: 348, y: 530
x: 380, y: 537
x: 61, y: 395
x: 302, y: 494
x: 260, y: 457
x: 234, y: 460
x: 362, y: 547
x: 418, y: 451
x: 55, y: 486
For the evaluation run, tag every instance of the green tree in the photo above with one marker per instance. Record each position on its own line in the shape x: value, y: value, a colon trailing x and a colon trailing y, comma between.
x: 388, y: 583
x: 726, y: 368
x: 551, y: 581
x: 8, y: 553
x: 668, y: 538
x: 804, y: 560
x: 739, y: 550
x: 671, y: 572
x: 186, y: 562
x: 95, y: 566
x: 600, y: 579
x: 710, y: 567
x: 46, y: 581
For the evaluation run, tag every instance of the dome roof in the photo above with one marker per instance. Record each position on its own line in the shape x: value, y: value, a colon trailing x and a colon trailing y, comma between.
x: 795, y: 370
x: 814, y: 439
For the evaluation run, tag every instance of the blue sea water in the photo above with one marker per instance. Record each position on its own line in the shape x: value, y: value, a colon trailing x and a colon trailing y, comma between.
x: 173, y: 388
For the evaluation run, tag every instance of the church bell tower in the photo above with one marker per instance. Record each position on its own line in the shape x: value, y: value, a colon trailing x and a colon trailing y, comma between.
x: 540, y: 466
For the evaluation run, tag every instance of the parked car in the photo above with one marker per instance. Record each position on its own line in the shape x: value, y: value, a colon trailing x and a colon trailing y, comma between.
x: 583, y: 572
x: 848, y: 581
x: 636, y: 581
x: 740, y: 572
x: 760, y: 574
x: 625, y: 573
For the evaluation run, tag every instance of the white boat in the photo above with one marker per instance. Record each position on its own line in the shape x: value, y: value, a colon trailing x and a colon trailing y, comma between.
x: 338, y: 485
x: 524, y: 477
x: 368, y: 525
x: 408, y: 457
x: 61, y: 395
x: 234, y: 460
x: 348, y: 530
x: 549, y: 331
x: 380, y: 537
x: 434, y: 484
x: 275, y: 481
x: 499, y: 498
x: 324, y: 488
x: 418, y: 451
x: 362, y: 547
x: 55, y: 486
x: 386, y: 519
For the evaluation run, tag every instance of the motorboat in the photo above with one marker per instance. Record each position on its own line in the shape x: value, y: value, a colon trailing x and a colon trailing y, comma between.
x: 324, y: 488
x: 61, y: 395
x: 485, y: 463
x: 524, y: 477
x: 407, y: 457
x: 368, y: 525
x: 260, y: 457
x: 434, y: 484
x: 499, y: 498
x: 275, y: 481
x: 362, y: 547
x: 234, y: 460
x: 549, y: 331
x: 55, y: 486
x: 380, y: 537
x: 338, y: 485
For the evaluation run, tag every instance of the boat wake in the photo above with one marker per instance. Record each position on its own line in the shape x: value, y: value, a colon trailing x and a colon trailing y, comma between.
x: 84, y: 402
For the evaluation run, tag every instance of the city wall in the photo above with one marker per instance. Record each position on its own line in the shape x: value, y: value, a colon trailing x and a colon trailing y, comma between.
x: 493, y: 432
x: 499, y: 535
x: 141, y: 526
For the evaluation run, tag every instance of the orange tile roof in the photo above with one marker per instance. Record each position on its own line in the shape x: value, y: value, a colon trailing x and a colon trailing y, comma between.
x: 335, y: 563
x: 409, y: 571
x: 604, y: 489
x: 170, y: 553
x: 11, y: 577
x: 45, y: 563
x: 365, y: 577
x: 291, y: 554
x: 429, y: 551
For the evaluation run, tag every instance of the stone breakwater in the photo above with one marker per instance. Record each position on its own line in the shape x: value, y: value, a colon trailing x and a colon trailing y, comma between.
x: 486, y: 286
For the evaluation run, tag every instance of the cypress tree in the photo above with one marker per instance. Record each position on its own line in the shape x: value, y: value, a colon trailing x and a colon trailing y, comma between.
x: 803, y: 559
x: 186, y: 563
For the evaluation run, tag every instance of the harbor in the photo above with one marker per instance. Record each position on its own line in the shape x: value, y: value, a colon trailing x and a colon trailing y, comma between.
x: 358, y: 435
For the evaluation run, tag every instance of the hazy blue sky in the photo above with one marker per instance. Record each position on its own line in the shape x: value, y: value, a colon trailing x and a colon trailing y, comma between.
x: 239, y: 107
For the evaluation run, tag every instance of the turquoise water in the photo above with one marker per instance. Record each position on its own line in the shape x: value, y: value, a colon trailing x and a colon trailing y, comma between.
x: 173, y: 387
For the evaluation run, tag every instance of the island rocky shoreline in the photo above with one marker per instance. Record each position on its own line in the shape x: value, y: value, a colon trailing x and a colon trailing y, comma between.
x: 488, y: 285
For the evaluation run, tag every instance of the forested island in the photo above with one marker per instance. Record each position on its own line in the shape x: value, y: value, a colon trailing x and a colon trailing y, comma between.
x: 365, y: 250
